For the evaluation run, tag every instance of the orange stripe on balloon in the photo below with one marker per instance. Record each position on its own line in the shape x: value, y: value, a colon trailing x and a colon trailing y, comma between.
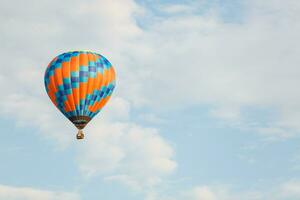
x: 52, y: 90
x: 83, y: 59
x: 90, y: 85
x: 51, y: 85
x: 71, y: 101
x: 98, y: 81
x: 58, y: 76
x: 94, y: 83
x: 83, y: 87
x: 90, y: 108
x: 92, y: 57
x: 66, y: 74
x: 69, y: 107
x: 75, y: 92
x: 66, y: 69
x: 105, y: 77
x: 74, y: 67
x: 74, y: 64
x: 111, y: 76
x: 91, y: 80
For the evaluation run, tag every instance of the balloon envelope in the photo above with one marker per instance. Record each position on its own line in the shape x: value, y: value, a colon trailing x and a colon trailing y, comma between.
x: 80, y: 83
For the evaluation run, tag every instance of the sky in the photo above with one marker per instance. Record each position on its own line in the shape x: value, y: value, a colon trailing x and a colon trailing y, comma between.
x: 207, y: 103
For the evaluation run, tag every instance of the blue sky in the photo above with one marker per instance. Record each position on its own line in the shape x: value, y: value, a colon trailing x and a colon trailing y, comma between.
x: 206, y: 105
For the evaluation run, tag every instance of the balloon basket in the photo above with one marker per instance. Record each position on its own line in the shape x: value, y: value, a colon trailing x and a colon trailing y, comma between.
x: 80, y: 135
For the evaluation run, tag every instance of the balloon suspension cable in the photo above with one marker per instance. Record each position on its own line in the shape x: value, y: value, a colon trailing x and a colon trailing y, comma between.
x: 80, y: 135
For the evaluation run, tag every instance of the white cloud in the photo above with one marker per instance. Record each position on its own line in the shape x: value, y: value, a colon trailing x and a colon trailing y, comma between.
x: 118, y: 109
x: 203, y: 193
x: 26, y: 193
x: 229, y: 113
x: 196, y: 60
x: 128, y: 153
x: 151, y: 118
x: 26, y: 102
x: 290, y: 190
x: 220, y: 193
x: 177, y: 8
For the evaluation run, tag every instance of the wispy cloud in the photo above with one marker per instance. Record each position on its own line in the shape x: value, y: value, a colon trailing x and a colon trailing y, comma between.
x: 126, y: 152
x: 27, y: 193
x: 285, y: 190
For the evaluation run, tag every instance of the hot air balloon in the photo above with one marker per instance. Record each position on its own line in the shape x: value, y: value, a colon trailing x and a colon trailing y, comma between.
x: 79, y: 83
